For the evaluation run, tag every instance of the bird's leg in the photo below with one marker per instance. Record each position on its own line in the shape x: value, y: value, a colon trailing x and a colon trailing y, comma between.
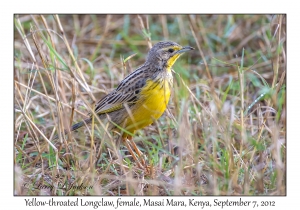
x: 139, y: 153
x: 132, y: 153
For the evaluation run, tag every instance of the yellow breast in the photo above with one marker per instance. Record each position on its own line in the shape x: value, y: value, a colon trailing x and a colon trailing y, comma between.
x: 152, y: 104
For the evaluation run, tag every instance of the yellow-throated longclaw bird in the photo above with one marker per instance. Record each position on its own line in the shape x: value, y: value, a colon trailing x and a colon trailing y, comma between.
x: 142, y: 96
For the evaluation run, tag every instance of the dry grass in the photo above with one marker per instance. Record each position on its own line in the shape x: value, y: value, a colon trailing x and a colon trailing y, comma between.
x: 224, y: 132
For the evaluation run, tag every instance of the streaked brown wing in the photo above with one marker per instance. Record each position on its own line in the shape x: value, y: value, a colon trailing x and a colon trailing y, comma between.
x: 126, y: 92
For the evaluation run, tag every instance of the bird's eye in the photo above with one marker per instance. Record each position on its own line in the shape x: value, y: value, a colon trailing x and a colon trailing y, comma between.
x: 171, y: 50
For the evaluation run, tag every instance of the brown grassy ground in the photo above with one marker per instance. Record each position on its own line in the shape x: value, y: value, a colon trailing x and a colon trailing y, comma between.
x: 224, y: 132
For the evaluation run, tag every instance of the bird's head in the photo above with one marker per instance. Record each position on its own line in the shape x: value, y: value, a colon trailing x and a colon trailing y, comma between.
x: 164, y: 54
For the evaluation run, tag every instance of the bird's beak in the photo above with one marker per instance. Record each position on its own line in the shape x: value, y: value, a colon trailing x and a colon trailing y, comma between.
x: 184, y: 49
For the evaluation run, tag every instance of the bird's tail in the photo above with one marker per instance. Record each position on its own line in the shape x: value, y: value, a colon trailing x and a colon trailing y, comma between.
x: 75, y: 127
